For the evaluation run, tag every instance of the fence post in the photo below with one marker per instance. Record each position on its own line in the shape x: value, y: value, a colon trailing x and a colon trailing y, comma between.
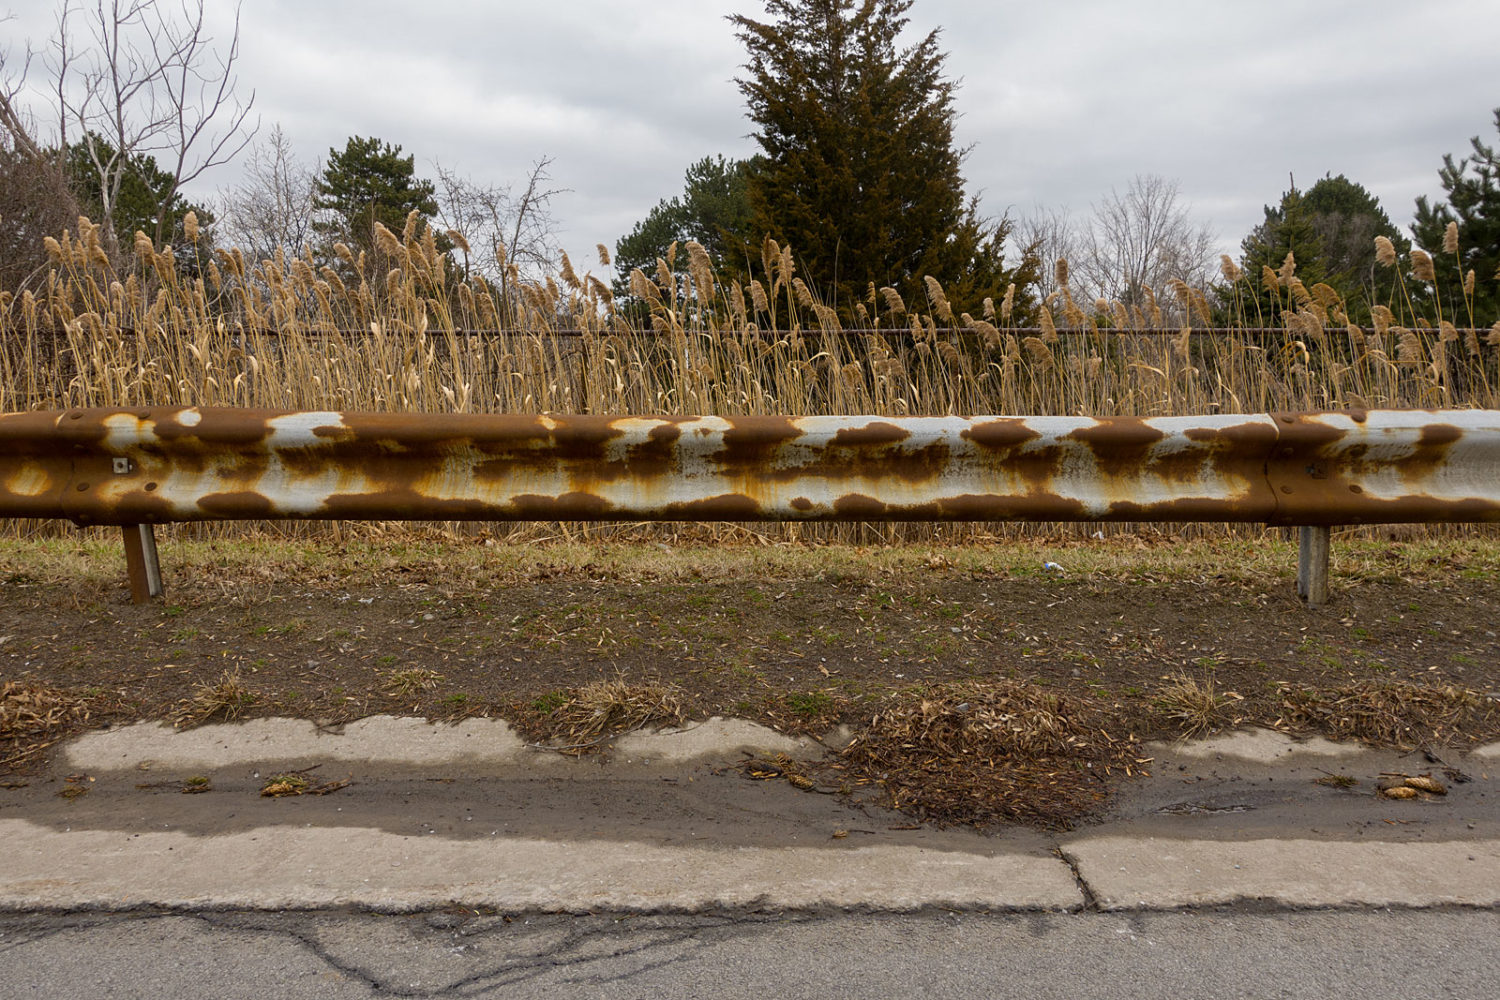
x: 141, y: 562
x: 1312, y: 564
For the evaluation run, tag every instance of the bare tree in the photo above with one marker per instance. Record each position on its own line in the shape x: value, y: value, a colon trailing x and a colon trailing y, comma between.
x: 273, y: 206
x: 1053, y: 235
x: 149, y: 80
x: 35, y: 201
x: 1143, y: 239
x: 503, y: 230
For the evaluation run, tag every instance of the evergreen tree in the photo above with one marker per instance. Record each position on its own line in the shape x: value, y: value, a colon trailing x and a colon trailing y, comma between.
x: 148, y: 200
x: 1474, y: 204
x: 366, y: 182
x: 1288, y: 229
x: 1347, y: 218
x: 713, y: 209
x: 860, y: 174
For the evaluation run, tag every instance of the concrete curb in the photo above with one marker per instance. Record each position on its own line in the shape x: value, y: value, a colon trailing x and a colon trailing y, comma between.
x: 383, y: 844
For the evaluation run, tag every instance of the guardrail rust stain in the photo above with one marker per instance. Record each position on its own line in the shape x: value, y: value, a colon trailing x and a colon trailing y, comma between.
x: 147, y: 465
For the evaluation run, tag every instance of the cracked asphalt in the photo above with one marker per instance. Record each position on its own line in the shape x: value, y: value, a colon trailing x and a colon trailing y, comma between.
x: 1221, y: 952
x: 485, y: 869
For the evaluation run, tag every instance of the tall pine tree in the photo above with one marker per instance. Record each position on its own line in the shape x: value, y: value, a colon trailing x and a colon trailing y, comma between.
x: 366, y: 182
x: 1474, y: 204
x: 860, y: 175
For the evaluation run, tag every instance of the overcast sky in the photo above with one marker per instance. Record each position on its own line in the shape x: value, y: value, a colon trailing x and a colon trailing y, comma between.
x: 1060, y: 101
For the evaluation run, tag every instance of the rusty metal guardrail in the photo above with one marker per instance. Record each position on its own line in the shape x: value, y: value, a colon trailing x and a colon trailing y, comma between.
x: 139, y: 467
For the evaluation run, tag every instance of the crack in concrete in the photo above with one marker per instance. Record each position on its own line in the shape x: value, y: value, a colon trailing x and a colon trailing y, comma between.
x: 1090, y: 901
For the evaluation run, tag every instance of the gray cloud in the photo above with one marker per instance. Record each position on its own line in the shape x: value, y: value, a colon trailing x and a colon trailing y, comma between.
x: 1060, y: 102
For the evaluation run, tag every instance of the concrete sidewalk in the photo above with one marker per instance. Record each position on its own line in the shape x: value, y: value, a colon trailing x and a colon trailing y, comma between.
x: 469, y: 815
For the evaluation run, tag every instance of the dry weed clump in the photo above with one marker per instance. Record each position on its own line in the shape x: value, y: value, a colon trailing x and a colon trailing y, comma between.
x: 33, y: 717
x: 30, y: 710
x: 223, y: 700
x: 410, y: 681
x: 983, y: 754
x: 1386, y: 714
x: 1195, y: 706
x: 597, y: 711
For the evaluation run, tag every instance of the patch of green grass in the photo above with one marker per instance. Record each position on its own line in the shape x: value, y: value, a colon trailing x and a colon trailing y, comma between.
x: 811, y: 704
x: 550, y: 702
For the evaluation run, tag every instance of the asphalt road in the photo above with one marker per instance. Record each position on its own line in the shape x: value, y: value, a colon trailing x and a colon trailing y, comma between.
x: 1222, y: 953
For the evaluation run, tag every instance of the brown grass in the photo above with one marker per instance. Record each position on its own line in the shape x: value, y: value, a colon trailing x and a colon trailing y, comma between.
x: 591, y: 714
x: 223, y: 700
x: 1194, y: 706
x: 983, y: 754
x: 1389, y: 714
x: 31, y: 710
x: 33, y: 717
x: 411, y: 681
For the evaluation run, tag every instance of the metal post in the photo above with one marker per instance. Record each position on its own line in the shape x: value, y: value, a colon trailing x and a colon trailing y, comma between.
x: 1312, y: 564
x: 141, y: 562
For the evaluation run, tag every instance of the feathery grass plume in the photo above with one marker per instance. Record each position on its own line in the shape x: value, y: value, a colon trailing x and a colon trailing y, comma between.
x: 1122, y: 316
x: 1447, y: 332
x: 1471, y: 340
x: 758, y: 297
x: 988, y: 333
x: 1450, y: 238
x: 1356, y: 337
x: 1469, y: 284
x: 386, y: 241
x: 1151, y: 305
x: 1408, y: 347
x: 1061, y: 271
x: 1229, y: 269
x: 1269, y: 279
x: 1493, y: 337
x: 1382, y: 318
x: 1288, y: 266
x: 409, y: 228
x: 604, y: 259
x: 190, y: 226
x: 1385, y: 252
x: 664, y: 277
x: 458, y: 240
x: 701, y: 268
x: 893, y: 300
x: 1421, y: 266
x: 804, y: 295
x: 143, y: 248
x: 1040, y: 353
x: 1008, y: 304
x: 938, y: 300
x: 1300, y: 295
x: 566, y: 272
x: 1049, y: 329
x: 989, y: 309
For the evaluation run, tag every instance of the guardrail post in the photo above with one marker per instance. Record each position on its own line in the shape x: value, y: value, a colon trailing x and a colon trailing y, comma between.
x: 141, y: 562
x: 1312, y: 564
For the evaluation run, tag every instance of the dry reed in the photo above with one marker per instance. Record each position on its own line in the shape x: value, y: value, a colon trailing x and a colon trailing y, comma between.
x: 394, y: 329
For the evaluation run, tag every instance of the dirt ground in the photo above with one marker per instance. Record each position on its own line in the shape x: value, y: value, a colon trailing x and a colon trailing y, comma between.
x: 802, y: 638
